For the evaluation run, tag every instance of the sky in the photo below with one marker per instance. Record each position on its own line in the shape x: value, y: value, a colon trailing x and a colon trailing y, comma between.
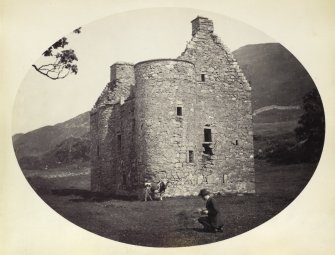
x: 130, y: 37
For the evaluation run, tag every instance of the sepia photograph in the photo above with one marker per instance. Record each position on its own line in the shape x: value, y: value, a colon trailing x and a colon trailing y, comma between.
x: 185, y: 129
x: 164, y: 126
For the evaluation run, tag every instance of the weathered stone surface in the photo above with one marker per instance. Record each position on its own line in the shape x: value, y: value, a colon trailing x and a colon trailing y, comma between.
x: 186, y: 120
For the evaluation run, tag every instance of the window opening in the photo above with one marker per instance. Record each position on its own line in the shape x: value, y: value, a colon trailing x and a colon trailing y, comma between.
x: 119, y: 141
x: 190, y: 156
x: 98, y: 150
x: 236, y: 142
x: 179, y: 111
x: 202, y: 77
x: 124, y: 179
x: 208, y: 135
x: 207, y: 149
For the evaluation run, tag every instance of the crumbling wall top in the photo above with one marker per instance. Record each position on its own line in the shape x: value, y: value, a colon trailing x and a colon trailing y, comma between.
x: 162, y: 60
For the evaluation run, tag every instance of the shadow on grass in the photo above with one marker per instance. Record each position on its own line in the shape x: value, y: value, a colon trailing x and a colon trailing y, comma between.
x: 200, y: 230
x: 89, y: 196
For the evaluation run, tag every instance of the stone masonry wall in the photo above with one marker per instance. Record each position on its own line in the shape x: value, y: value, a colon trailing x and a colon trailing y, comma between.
x: 162, y: 136
x: 106, y: 125
x: 224, y: 106
x: 95, y: 165
x: 127, y: 175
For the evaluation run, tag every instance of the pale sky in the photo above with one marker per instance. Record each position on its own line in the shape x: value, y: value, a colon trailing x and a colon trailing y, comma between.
x: 131, y: 37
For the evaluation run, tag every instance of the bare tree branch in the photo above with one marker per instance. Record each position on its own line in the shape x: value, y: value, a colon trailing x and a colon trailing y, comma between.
x: 38, y: 70
x: 46, y: 72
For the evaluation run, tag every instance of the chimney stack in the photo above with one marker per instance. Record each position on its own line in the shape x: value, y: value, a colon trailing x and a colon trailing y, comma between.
x: 202, y: 24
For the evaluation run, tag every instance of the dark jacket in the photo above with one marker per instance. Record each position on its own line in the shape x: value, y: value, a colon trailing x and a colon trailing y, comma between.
x: 214, y: 215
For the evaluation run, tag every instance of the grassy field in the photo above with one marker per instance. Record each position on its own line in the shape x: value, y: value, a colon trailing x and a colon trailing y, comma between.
x: 275, y: 128
x: 173, y: 221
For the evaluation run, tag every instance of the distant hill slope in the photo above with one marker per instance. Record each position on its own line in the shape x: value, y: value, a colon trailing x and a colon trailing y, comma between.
x: 39, y: 141
x: 276, y: 76
x: 272, y: 114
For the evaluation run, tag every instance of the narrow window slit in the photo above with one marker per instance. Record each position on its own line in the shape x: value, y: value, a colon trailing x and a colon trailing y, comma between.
x: 119, y: 142
x: 124, y: 179
x: 179, y: 111
x: 208, y: 135
x: 190, y: 156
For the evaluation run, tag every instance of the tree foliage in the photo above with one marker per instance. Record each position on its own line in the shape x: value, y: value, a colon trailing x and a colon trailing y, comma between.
x: 64, y: 60
x: 307, y: 142
x: 311, y: 126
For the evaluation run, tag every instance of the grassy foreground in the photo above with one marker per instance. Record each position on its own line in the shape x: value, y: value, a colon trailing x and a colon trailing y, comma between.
x: 173, y: 221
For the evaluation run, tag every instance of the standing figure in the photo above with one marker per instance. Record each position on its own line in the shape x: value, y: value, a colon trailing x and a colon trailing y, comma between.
x: 147, y: 191
x: 213, y: 221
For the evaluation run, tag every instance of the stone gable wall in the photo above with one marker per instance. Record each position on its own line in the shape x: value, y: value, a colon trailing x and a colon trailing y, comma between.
x: 224, y: 105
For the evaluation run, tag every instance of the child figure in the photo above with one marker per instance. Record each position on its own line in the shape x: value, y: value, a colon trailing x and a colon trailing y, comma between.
x: 147, y: 191
x: 212, y: 222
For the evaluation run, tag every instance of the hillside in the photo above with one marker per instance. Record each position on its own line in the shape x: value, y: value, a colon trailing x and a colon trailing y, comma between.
x: 39, y: 141
x: 273, y: 115
x: 276, y: 76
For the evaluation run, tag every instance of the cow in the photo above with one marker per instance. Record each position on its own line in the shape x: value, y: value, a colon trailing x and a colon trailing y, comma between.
x: 155, y: 191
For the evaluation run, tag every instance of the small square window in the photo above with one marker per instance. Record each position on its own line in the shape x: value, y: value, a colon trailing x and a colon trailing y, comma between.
x: 203, y: 77
x: 191, y: 156
x: 179, y: 111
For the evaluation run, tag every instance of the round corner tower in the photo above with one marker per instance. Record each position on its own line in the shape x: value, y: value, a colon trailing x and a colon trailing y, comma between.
x: 164, y: 115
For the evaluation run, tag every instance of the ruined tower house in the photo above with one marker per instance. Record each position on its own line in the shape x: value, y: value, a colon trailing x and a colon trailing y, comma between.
x: 185, y: 120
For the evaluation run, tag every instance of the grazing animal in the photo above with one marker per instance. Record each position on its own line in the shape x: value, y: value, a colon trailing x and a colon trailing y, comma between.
x: 157, y: 190
x: 162, y: 187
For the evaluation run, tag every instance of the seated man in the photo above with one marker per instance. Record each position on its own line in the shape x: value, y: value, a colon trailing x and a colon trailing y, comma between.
x: 213, y: 221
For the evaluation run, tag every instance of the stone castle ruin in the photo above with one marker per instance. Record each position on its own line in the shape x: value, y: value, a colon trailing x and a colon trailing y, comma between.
x: 186, y: 120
